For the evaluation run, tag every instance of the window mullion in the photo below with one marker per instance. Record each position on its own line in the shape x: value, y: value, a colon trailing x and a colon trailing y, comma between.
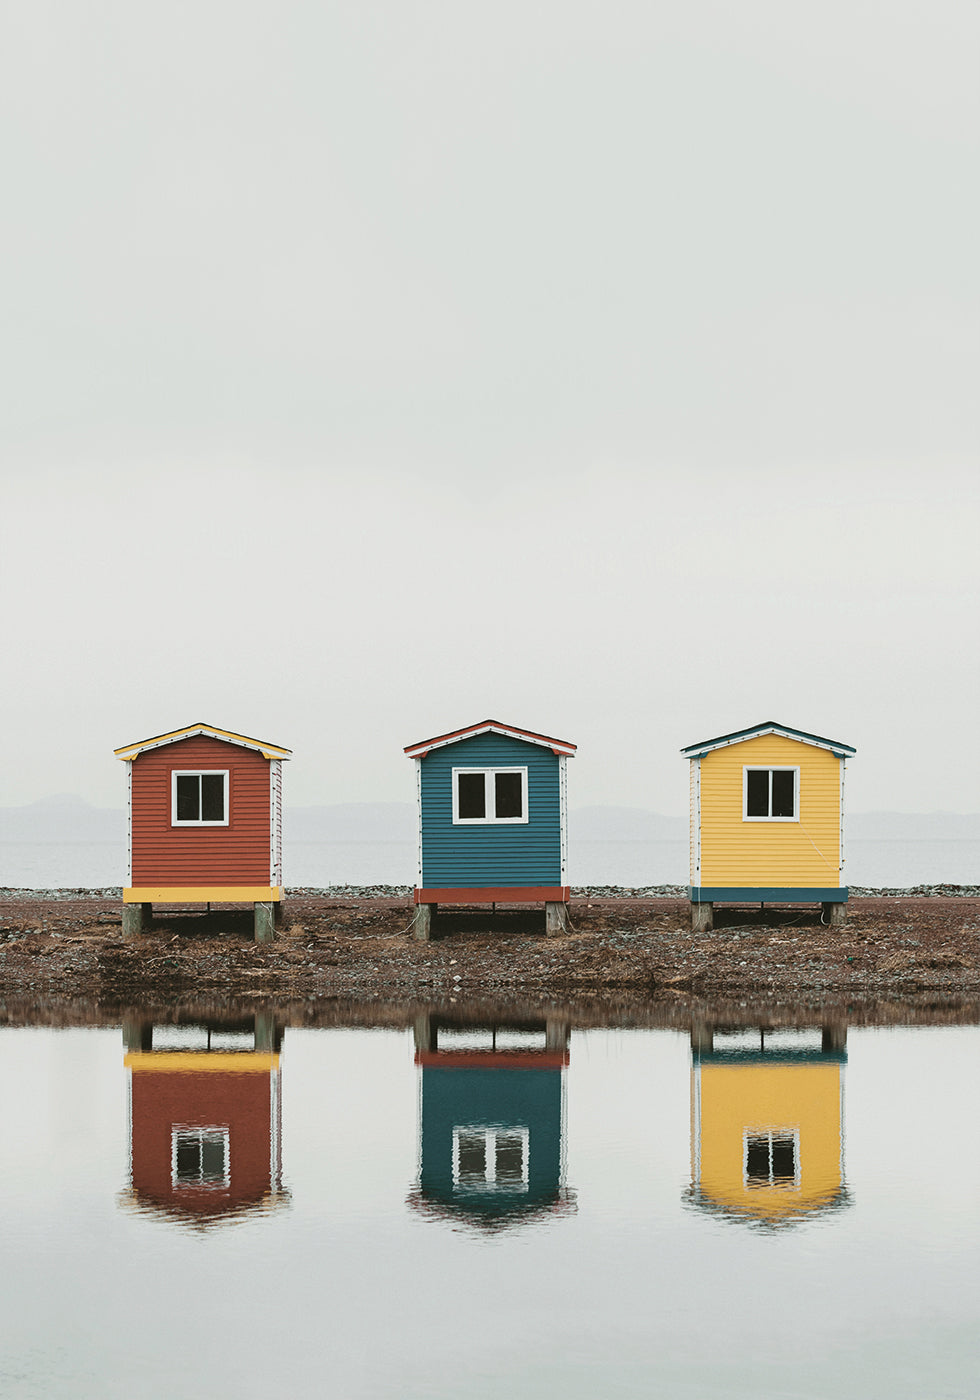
x: 769, y: 813
x: 491, y: 795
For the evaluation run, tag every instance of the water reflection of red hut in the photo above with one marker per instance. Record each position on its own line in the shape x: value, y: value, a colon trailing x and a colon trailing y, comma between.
x: 205, y: 1117
x: 491, y: 1120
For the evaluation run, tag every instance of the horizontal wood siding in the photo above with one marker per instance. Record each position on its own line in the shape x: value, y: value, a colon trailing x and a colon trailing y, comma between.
x: 475, y: 856
x: 236, y: 854
x: 803, y: 854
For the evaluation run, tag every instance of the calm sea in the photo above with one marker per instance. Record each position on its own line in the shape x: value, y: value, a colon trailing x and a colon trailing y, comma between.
x: 503, y: 1209
x: 632, y: 863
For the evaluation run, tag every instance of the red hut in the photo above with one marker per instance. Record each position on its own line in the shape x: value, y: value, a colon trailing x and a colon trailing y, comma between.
x: 205, y: 823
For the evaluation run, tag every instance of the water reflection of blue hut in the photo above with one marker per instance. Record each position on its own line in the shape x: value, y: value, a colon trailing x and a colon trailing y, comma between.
x: 767, y: 1121
x: 491, y: 1120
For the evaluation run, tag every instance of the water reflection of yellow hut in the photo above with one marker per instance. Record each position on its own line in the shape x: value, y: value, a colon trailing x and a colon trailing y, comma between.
x: 491, y: 1120
x: 767, y: 1122
x: 204, y: 1117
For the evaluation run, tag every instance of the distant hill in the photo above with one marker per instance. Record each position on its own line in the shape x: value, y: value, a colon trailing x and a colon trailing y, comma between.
x: 66, y: 817
x: 913, y: 826
x: 60, y: 819
x: 351, y: 821
x: 624, y: 824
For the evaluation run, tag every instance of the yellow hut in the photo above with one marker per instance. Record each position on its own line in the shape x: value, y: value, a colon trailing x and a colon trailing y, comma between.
x: 767, y: 1127
x: 767, y: 820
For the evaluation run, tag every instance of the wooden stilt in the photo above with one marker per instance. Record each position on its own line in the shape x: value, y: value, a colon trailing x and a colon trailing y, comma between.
x: 425, y: 916
x: 132, y: 920
x: 702, y: 917
x: 265, y: 924
x: 555, y: 918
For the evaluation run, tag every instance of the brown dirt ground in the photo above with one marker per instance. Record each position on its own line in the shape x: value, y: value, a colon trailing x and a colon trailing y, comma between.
x: 897, y: 958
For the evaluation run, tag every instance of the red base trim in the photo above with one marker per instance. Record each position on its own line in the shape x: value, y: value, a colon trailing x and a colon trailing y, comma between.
x: 489, y: 1059
x: 507, y: 894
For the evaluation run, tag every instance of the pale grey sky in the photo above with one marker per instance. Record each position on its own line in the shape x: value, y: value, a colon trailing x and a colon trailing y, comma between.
x: 608, y: 369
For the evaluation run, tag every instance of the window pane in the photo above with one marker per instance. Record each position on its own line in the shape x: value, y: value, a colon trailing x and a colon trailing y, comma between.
x: 213, y: 1159
x: 472, y: 1158
x: 510, y: 1159
x: 757, y: 792
x: 188, y: 798
x: 757, y: 1158
x: 212, y: 797
x: 782, y: 794
x: 783, y: 1159
x: 472, y: 794
x: 509, y: 794
x: 188, y: 1157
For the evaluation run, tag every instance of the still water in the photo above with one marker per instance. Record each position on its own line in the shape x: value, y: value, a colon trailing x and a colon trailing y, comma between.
x: 94, y: 864
x: 489, y: 1207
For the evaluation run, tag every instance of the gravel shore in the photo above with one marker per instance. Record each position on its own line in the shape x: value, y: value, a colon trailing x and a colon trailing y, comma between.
x: 635, y: 949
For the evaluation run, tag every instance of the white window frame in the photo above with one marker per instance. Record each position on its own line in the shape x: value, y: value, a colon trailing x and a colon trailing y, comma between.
x: 193, y: 1130
x: 772, y: 1183
x: 770, y: 768
x: 489, y: 1135
x: 197, y: 773
x: 491, y: 819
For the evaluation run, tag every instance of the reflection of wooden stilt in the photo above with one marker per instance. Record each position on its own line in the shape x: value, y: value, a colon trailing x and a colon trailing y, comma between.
x: 265, y: 1031
x: 702, y: 1036
x: 137, y: 1034
x: 423, y: 1031
x: 833, y: 1036
x: 555, y: 1034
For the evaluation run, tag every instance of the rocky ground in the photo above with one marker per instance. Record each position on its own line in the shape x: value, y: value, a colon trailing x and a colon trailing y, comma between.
x: 631, y: 951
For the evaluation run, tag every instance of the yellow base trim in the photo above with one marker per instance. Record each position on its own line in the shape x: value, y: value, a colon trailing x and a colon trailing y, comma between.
x: 202, y: 894
x: 201, y: 1061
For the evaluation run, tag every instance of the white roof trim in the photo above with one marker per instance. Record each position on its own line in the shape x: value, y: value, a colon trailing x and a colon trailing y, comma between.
x: 841, y: 750
x: 556, y: 745
x: 267, y: 750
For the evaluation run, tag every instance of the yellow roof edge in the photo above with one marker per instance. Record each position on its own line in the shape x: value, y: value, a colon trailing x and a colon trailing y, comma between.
x: 129, y: 751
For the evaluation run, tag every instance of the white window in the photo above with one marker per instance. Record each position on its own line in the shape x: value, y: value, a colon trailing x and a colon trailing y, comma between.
x: 484, y: 795
x: 199, y: 798
x: 200, y: 1157
x: 490, y: 1159
x: 772, y: 1157
x: 771, y: 794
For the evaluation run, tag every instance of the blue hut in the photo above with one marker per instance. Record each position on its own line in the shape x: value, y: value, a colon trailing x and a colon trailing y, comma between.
x: 492, y: 820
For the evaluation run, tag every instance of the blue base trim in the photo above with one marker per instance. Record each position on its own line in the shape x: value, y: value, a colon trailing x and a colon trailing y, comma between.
x: 713, y: 894
x: 770, y: 1057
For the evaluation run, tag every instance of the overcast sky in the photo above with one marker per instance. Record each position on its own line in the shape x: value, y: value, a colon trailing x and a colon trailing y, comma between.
x: 373, y: 368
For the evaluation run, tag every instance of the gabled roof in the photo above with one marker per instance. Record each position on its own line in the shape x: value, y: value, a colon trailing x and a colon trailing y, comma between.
x: 492, y: 726
x: 769, y: 726
x: 131, y: 751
